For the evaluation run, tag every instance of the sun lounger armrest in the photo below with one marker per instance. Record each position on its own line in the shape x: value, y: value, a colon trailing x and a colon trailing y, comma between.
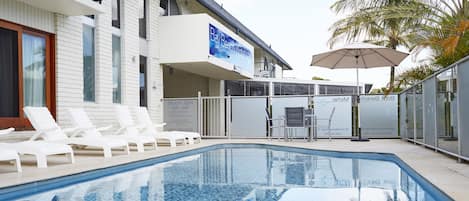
x: 121, y: 129
x: 160, y: 125
x: 6, y: 131
x: 138, y: 127
x: 105, y: 128
x: 39, y: 133
x: 35, y: 136
x: 70, y: 130
x: 74, y: 131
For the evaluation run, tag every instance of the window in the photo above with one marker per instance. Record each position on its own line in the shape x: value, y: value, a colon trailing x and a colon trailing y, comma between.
x: 34, y: 70
x: 26, y: 73
x: 116, y: 13
x: 170, y: 6
x: 337, y: 90
x: 234, y: 88
x: 293, y: 89
x: 257, y: 88
x: 246, y: 88
x: 9, y: 100
x: 143, y: 81
x: 88, y: 64
x: 142, y: 18
x: 116, y: 69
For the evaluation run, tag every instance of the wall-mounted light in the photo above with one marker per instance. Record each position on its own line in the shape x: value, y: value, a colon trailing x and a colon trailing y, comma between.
x: 171, y: 70
x: 134, y: 58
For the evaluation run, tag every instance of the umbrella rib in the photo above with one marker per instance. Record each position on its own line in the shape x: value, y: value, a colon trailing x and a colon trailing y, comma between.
x: 384, y: 57
x: 338, y: 60
x: 363, y: 59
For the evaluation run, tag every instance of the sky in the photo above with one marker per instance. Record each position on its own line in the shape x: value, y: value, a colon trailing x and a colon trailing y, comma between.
x: 298, y: 29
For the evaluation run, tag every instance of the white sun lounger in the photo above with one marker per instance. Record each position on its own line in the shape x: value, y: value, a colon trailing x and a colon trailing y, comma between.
x: 83, y: 123
x: 8, y: 154
x: 144, y: 121
x: 130, y: 131
x: 128, y: 125
x: 47, y: 129
x: 39, y: 149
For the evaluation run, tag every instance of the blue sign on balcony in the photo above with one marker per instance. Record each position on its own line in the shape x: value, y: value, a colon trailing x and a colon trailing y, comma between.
x: 228, y: 49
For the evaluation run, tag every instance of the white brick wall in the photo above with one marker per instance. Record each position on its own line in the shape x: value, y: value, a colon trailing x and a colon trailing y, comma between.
x: 130, y: 53
x: 155, y: 70
x: 69, y: 59
x: 21, y: 13
x: 101, y: 111
x: 69, y: 65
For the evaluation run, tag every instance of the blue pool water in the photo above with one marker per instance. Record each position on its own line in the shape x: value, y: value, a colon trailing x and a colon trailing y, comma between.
x: 242, y: 172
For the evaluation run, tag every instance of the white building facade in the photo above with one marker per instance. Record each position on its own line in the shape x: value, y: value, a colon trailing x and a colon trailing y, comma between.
x: 79, y: 53
x: 93, y: 54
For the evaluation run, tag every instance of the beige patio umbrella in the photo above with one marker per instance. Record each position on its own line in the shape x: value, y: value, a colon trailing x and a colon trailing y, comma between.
x: 359, y: 55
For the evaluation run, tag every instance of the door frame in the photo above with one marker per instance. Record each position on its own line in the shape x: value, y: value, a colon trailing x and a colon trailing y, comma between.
x: 21, y: 122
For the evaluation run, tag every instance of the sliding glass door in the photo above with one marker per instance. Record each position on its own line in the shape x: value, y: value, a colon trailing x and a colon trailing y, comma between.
x: 34, y: 70
x: 26, y: 73
x: 9, y: 98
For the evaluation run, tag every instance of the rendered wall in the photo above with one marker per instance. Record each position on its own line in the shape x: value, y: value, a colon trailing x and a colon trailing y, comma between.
x: 179, y: 84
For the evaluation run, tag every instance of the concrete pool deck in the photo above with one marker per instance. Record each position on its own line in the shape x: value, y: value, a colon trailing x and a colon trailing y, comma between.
x: 443, y: 171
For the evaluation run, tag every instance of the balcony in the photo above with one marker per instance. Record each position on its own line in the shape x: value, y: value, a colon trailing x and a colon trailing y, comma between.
x: 68, y: 7
x: 199, y: 44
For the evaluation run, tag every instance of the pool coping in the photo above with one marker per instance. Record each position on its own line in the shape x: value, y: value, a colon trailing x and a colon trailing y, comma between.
x: 42, y: 185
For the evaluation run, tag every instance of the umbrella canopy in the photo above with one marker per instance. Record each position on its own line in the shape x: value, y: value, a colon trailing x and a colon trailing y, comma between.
x: 359, y: 55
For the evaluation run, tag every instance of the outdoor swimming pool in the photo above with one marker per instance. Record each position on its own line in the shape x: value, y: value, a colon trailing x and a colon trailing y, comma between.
x: 242, y: 172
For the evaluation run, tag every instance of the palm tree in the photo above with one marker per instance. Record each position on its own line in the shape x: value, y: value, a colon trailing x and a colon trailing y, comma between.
x: 443, y: 26
x: 365, y: 22
x: 412, y: 76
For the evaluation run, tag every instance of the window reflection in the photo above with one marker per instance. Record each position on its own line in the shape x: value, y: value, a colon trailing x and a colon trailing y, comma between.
x: 447, y: 111
x: 419, y: 113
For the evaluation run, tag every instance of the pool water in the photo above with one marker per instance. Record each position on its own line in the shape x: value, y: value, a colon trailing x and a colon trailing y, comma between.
x: 251, y: 173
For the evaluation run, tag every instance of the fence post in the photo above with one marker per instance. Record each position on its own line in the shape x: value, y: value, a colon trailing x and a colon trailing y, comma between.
x: 199, y: 112
x: 228, y: 116
x: 458, y: 112
x: 414, y: 107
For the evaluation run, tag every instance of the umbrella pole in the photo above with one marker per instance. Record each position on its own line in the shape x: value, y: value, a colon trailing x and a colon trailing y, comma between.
x: 357, y: 115
x: 358, y: 84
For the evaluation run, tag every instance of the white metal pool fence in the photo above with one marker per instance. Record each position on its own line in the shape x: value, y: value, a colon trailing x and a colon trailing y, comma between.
x: 245, y: 116
x: 433, y: 113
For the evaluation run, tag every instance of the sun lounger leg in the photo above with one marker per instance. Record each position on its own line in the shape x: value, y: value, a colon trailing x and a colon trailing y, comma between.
x: 107, y: 152
x: 18, y: 165
x: 127, y: 149
x: 140, y: 147
x: 41, y: 161
x: 71, y: 157
x: 191, y: 140
x: 172, y: 142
